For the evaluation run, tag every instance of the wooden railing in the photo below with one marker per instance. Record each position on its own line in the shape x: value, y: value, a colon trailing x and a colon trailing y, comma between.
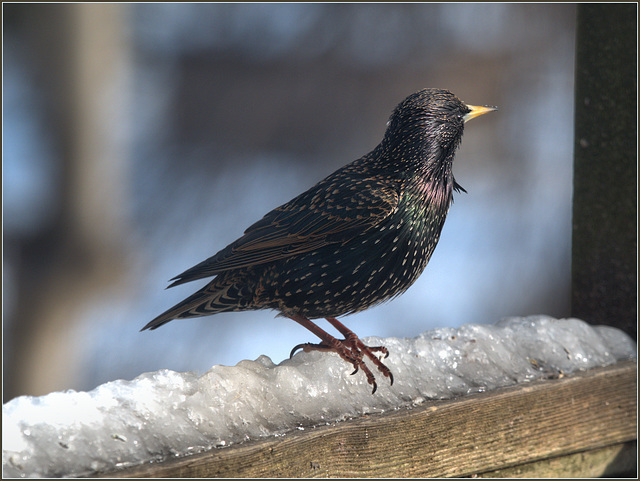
x: 581, y: 425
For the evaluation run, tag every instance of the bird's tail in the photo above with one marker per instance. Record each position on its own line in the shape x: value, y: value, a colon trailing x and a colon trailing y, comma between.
x: 214, y: 298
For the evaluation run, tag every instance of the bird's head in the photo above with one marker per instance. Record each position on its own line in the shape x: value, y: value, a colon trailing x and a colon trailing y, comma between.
x: 430, y: 122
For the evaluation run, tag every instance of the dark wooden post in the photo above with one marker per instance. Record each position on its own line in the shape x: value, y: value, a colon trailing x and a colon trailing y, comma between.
x: 604, y: 252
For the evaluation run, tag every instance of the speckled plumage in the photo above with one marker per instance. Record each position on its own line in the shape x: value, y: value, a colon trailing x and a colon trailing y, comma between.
x: 359, y: 237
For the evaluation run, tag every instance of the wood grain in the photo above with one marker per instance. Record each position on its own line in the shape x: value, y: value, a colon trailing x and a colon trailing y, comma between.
x: 462, y: 437
x: 619, y: 460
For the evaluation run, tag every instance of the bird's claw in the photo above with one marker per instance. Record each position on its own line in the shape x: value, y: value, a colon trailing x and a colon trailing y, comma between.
x: 308, y: 347
x: 352, y: 350
x: 293, y: 351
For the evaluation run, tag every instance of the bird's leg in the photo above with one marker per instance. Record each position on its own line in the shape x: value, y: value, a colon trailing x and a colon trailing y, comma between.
x: 357, y: 345
x: 347, y: 349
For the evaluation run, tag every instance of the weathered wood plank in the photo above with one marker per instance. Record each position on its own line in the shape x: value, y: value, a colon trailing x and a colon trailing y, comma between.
x: 462, y: 437
x: 618, y: 460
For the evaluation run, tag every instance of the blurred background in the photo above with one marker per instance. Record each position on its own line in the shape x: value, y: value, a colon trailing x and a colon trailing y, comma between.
x: 139, y: 139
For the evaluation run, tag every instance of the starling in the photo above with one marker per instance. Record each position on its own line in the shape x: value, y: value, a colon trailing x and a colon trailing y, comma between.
x: 357, y: 238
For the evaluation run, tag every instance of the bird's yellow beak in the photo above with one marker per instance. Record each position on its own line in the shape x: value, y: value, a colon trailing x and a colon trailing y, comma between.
x: 477, y: 111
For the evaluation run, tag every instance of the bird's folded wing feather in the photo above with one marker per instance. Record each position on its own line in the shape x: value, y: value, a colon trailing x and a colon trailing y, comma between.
x: 326, y: 214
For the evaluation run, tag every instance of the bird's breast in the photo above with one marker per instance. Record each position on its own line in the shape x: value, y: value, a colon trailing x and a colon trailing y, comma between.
x: 373, y: 267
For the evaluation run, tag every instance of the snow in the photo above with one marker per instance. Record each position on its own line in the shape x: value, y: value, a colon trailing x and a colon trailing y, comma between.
x: 167, y: 413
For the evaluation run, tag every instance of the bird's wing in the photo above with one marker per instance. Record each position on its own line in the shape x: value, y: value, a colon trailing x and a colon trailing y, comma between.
x: 330, y: 212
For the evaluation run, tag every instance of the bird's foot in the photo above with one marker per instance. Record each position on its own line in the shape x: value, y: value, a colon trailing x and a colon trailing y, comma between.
x: 351, y: 349
x: 358, y: 346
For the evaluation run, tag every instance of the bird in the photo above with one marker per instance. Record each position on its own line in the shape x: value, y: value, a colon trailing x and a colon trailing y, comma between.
x: 357, y: 238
